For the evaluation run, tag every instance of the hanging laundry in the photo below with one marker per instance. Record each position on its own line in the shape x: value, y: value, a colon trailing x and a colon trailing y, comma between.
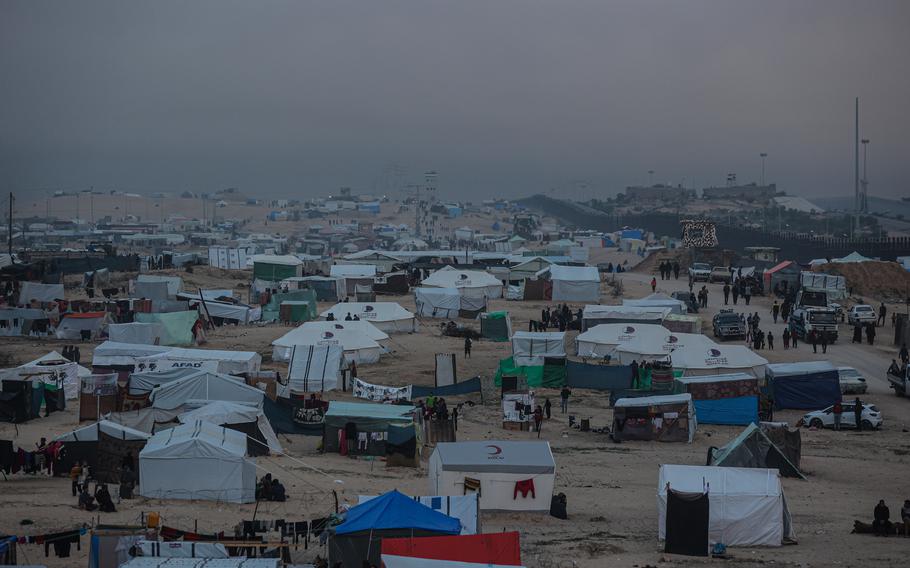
x: 524, y: 486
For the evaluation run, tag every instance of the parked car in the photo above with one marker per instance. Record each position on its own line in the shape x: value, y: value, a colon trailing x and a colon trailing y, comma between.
x: 700, y: 271
x: 872, y: 418
x: 851, y: 381
x: 862, y: 314
x: 688, y: 298
x: 720, y: 274
x: 729, y: 325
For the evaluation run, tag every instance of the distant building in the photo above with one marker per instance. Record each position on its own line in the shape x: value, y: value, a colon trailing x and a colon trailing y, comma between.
x: 659, y: 192
x: 750, y: 191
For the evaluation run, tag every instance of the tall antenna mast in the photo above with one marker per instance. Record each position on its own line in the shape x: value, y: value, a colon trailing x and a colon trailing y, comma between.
x: 10, y: 238
x: 856, y: 200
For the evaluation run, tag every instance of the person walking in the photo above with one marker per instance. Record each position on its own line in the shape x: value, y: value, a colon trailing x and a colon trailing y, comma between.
x: 824, y: 341
x: 735, y: 293
x: 870, y: 333
x: 793, y: 339
x: 467, y: 347
x: 653, y: 284
x: 770, y: 338
x: 775, y: 311
x: 858, y: 414
x: 904, y: 354
x: 813, y: 339
x: 676, y: 269
x: 747, y: 293
x: 547, y: 407
x: 538, y: 419
x: 837, y: 410
x: 786, y: 338
x: 726, y: 293
x: 564, y: 399
x: 882, y: 311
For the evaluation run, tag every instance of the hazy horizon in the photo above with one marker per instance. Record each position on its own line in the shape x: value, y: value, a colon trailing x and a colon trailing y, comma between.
x: 505, y: 98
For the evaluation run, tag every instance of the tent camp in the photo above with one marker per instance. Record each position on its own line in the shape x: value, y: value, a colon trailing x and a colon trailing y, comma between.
x: 507, y: 475
x: 575, y: 283
x: 472, y: 283
x: 596, y: 315
x: 437, y: 302
x: 462, y: 507
x: 664, y: 418
x: 244, y: 418
x: 103, y: 445
x: 723, y: 399
x: 747, y: 505
x: 204, y: 386
x: 389, y: 317
x: 227, y: 362
x: 496, y: 326
x: 720, y: 359
x: 644, y: 347
x: 197, y: 461
x: 658, y: 300
x: 176, y: 327
x: 83, y: 326
x: 753, y: 448
x: 809, y: 385
x: 531, y: 348
x: 494, y: 550
x: 604, y: 339
x: 359, y: 537
x: 360, y: 340
x: 146, y: 333
x: 369, y: 419
x: 313, y: 368
x: 38, y: 292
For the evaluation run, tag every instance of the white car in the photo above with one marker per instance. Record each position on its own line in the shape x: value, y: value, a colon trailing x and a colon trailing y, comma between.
x: 871, y: 418
x: 861, y: 314
x: 700, y: 271
x: 851, y: 381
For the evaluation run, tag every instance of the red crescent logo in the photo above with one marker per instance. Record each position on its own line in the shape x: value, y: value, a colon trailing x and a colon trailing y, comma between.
x: 496, y: 450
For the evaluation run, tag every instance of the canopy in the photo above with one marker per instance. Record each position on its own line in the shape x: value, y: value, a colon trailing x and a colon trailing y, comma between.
x: 747, y: 505
x: 510, y: 457
x: 146, y: 333
x: 575, y: 283
x: 283, y: 260
x: 204, y: 385
x: 463, y: 507
x: 358, y: 339
x: 90, y: 433
x: 313, y: 368
x: 44, y: 293
x: 752, y: 448
x: 449, y: 277
x: 853, y: 257
x: 223, y: 413
x: 386, y: 316
x: 394, y: 510
x: 718, y: 359
x: 603, y: 339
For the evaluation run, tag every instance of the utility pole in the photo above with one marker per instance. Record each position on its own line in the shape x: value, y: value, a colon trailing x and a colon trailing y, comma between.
x: 763, y: 156
x: 10, y: 234
x: 856, y: 171
x: 92, y: 203
x: 864, y: 201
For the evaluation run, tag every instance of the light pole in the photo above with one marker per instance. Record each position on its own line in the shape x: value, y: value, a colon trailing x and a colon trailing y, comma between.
x: 864, y: 198
x: 763, y: 156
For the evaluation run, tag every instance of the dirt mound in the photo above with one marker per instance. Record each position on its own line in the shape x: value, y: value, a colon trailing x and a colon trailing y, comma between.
x: 875, y: 279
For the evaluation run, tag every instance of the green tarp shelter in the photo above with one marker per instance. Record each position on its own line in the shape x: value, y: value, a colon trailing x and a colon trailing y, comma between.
x: 551, y: 375
x: 496, y: 326
x: 304, y: 305
x: 274, y: 268
x: 752, y: 448
x: 176, y: 327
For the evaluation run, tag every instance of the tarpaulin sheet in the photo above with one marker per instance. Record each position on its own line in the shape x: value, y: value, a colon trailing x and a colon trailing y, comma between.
x: 598, y: 377
x: 536, y: 376
x: 176, y: 327
x: 462, y: 387
x: 740, y: 410
x: 41, y: 292
x: 805, y: 392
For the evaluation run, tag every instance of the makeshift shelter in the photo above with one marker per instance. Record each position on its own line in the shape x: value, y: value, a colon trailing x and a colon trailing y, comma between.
x: 16, y: 400
x: 197, y: 461
x: 97, y: 396
x: 220, y: 361
x: 496, y: 326
x: 390, y: 515
x: 462, y: 507
x: 313, y: 368
x: 22, y: 321
x: 532, y: 348
x: 720, y: 359
x: 354, y: 276
x: 782, y: 275
x: 603, y: 340
x: 747, y: 506
x: 123, y: 357
x: 529, y: 268
x: 303, y: 302
x: 786, y: 439
x: 506, y: 475
x: 495, y: 550
x: 437, y: 302
x: 145, y: 333
x: 204, y: 386
x: 664, y: 418
x: 389, y: 317
x: 401, y: 448
x: 149, y: 420
x: 223, y: 312
x: 752, y: 448
x: 176, y: 327
x: 471, y: 283
x: 103, y: 445
x: 382, y: 261
x: 54, y: 369
x: 174, y: 283
x: 682, y: 323
x: 644, y: 347
x: 37, y: 292
x: 809, y: 385
x: 594, y: 315
x: 723, y: 399
x: 550, y: 372
x: 83, y: 326
x: 327, y: 289
x: 359, y: 340
x: 575, y: 283
x: 659, y: 301
x: 371, y: 421
x: 244, y: 418
x: 274, y: 268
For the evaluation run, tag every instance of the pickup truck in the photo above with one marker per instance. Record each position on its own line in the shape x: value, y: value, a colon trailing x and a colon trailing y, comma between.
x: 700, y: 271
x: 720, y: 274
x: 899, y: 381
x: 728, y: 325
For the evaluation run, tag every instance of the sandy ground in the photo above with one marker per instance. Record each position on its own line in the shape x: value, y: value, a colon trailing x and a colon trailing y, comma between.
x: 611, y: 488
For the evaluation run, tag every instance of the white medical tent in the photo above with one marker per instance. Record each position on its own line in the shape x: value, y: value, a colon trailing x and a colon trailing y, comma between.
x: 437, y: 302
x: 575, y: 283
x: 144, y: 333
x: 604, y: 339
x: 198, y: 461
x: 659, y: 300
x: 313, y: 368
x: 718, y: 360
x: 358, y: 339
x: 224, y: 413
x: 497, y: 465
x: 529, y: 348
x: 747, y: 506
x: 468, y: 282
x: 598, y: 314
x: 204, y: 386
x: 644, y: 348
x: 386, y: 316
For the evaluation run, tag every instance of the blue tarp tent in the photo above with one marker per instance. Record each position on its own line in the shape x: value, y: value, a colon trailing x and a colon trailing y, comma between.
x: 395, y: 510
x: 810, y: 385
x: 722, y: 399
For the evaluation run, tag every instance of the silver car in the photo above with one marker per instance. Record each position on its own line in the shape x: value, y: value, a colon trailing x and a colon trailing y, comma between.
x: 851, y: 381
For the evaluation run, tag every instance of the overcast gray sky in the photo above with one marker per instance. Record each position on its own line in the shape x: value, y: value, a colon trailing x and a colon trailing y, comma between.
x: 501, y: 97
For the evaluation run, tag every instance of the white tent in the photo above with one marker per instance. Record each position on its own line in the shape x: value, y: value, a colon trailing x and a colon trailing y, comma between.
x: 149, y: 419
x: 313, y: 368
x: 529, y: 348
x: 437, y: 302
x: 387, y: 316
x: 597, y: 314
x: 358, y: 339
x: 720, y: 359
x: 224, y: 413
x: 197, y: 461
x: 602, y: 340
x: 90, y: 433
x: 353, y: 271
x: 853, y: 257
x: 228, y: 362
x: 146, y: 333
x: 497, y: 465
x: 72, y: 325
x: 174, y: 283
x: 115, y: 354
x: 476, y: 280
x: 575, y: 283
x: 747, y: 506
x: 43, y: 293
x: 647, y: 348
x: 658, y: 301
x: 54, y: 363
x: 202, y: 386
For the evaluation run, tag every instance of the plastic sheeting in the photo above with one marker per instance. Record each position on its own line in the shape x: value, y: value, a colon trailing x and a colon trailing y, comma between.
x: 176, y: 327
x: 43, y: 293
x: 598, y: 377
x: 461, y: 507
x: 145, y: 333
x: 575, y: 283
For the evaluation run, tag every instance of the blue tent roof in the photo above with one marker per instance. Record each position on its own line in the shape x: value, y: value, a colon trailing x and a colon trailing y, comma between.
x: 394, y: 510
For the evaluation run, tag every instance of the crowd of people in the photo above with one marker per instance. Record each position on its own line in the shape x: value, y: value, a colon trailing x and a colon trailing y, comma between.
x: 560, y: 317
